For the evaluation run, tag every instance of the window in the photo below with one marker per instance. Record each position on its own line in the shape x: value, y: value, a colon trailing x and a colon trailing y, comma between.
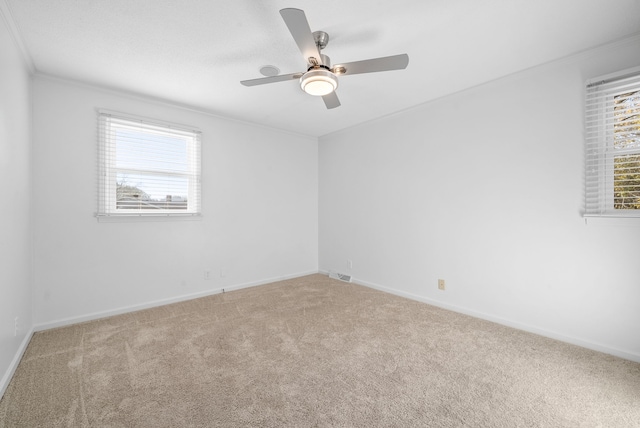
x: 147, y: 168
x: 613, y: 145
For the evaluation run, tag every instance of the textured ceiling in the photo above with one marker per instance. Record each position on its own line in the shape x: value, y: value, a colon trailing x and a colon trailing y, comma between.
x: 195, y: 52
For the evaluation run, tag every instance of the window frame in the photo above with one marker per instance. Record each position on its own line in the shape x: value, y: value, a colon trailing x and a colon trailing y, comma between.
x: 108, y: 122
x: 600, y: 144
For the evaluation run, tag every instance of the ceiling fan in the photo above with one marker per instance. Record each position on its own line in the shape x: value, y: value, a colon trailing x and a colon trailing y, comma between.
x: 321, y: 79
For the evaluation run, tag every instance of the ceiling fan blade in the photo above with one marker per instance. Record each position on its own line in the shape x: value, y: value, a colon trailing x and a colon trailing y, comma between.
x: 387, y: 63
x: 271, y: 79
x: 331, y: 100
x: 298, y: 26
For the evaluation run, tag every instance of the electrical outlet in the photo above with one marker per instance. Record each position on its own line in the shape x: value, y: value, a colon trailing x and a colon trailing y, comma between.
x: 441, y: 284
x: 207, y: 274
x: 350, y: 264
x: 16, y: 328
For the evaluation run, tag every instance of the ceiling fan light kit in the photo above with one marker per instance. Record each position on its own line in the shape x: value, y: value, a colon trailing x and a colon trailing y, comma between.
x: 319, y: 82
x: 320, y: 79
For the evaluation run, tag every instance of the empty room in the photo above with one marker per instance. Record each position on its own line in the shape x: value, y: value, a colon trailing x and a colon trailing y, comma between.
x: 293, y: 213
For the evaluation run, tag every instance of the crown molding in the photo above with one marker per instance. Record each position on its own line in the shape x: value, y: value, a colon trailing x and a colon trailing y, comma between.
x: 7, y: 18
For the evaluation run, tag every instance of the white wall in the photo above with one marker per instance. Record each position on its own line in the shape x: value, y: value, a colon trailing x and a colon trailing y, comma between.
x: 484, y: 189
x: 15, y: 208
x: 260, y: 211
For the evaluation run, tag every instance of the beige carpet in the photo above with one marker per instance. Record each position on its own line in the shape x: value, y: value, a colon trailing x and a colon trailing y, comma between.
x: 313, y: 352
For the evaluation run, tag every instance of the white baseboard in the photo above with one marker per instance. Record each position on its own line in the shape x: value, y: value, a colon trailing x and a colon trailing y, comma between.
x: 6, y: 378
x: 627, y: 355
x: 126, y: 309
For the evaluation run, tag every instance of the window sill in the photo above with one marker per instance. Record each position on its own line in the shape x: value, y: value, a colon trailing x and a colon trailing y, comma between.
x: 611, y: 220
x: 136, y: 218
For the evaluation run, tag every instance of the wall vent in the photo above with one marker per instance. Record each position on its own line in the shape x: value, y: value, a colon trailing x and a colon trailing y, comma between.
x: 341, y: 276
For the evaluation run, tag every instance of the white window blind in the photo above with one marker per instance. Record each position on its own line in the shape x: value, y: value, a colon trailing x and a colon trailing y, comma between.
x: 147, y: 168
x: 612, y: 120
